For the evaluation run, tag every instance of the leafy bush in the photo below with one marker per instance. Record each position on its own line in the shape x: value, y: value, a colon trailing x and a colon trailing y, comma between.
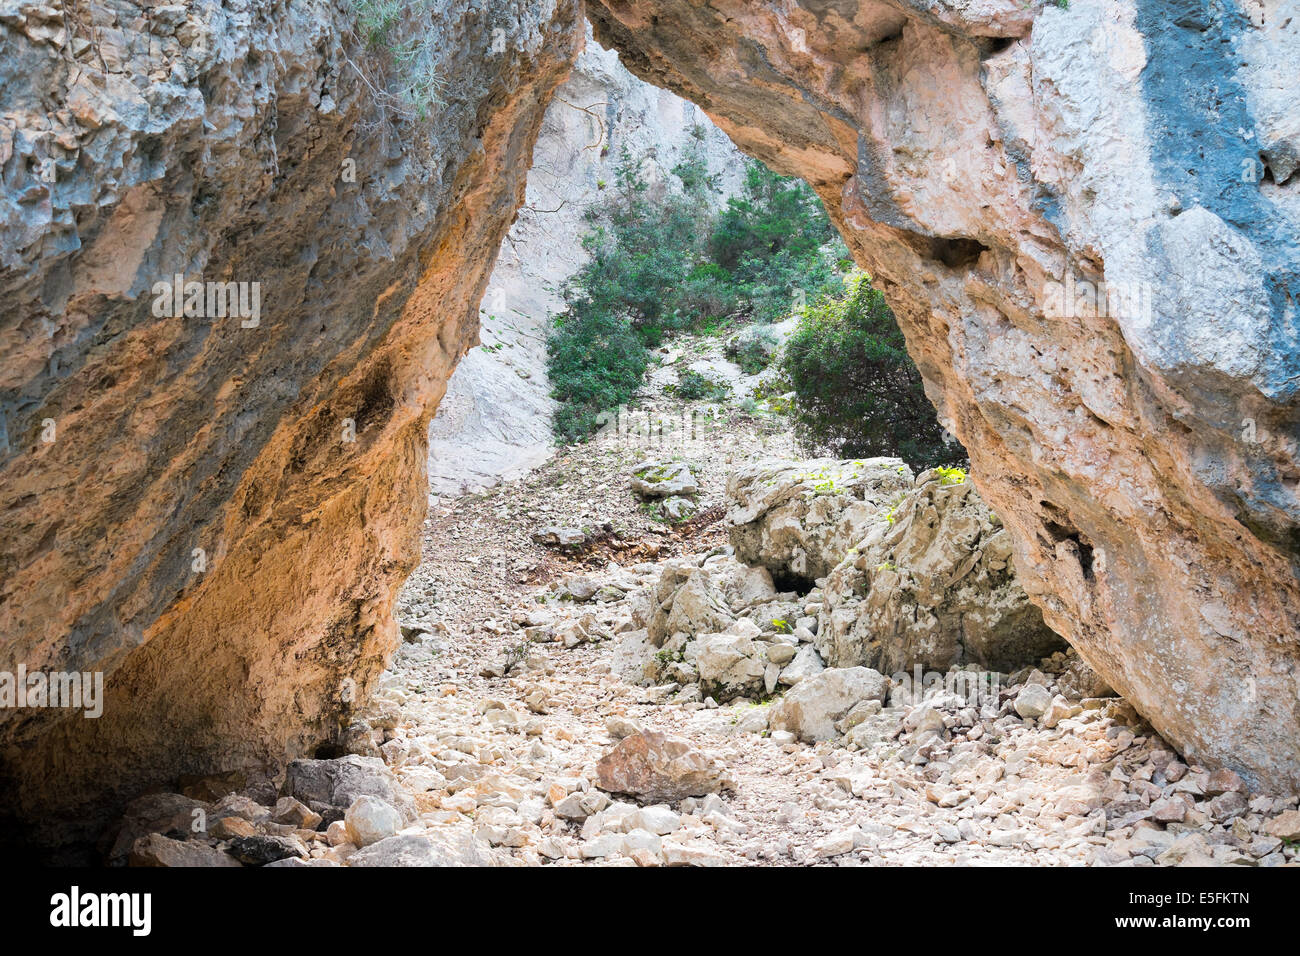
x: 773, y: 215
x: 857, y: 392
x: 694, y: 386
x: 753, y: 349
x: 596, y: 364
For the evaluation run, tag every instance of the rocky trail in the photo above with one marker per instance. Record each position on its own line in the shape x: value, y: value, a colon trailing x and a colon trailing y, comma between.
x: 584, y: 682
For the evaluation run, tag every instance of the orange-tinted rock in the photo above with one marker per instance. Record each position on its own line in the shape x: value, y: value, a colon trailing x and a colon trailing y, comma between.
x: 658, y: 768
x: 212, y: 513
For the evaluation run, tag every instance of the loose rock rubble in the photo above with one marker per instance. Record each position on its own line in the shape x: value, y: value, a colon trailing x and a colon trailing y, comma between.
x: 622, y: 706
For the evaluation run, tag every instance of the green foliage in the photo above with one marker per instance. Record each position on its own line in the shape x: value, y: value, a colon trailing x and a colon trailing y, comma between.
x: 773, y: 241
x: 596, y: 363
x: 857, y: 392
x: 951, y: 476
x: 660, y: 260
x: 695, y: 387
x: 753, y: 351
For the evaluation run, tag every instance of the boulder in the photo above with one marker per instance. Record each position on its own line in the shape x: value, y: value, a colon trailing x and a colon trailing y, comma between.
x: 811, y: 709
x: 339, y: 782
x: 425, y: 849
x: 799, y: 518
x: 369, y: 820
x: 295, y: 813
x: 932, y: 585
x: 655, y: 479
x: 555, y: 536
x: 806, y: 663
x: 688, y: 601
x: 658, y: 768
x: 728, y: 665
x: 263, y: 848
x: 677, y: 508
x: 633, y: 657
x: 1033, y: 701
x: 158, y: 850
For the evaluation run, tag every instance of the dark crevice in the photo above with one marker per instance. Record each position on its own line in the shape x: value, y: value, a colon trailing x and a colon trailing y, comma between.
x: 957, y: 253
x: 789, y: 581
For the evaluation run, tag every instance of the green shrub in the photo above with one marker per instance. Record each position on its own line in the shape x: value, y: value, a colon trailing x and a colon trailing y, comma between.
x: 857, y: 392
x: 694, y: 387
x: 596, y: 363
x: 774, y: 214
x: 753, y: 349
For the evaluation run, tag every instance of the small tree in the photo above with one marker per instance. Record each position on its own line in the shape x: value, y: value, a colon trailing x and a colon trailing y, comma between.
x: 857, y: 392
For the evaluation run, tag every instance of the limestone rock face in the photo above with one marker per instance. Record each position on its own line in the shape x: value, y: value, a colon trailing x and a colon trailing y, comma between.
x: 215, y: 510
x: 932, y: 585
x: 1094, y: 266
x: 799, y: 518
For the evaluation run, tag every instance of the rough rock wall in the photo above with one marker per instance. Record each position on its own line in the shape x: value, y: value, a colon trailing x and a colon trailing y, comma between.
x: 213, y: 513
x: 990, y: 162
x: 932, y: 585
x: 495, y: 421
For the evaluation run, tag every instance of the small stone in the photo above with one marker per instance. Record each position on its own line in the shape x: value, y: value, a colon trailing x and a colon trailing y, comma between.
x: 692, y: 854
x: 620, y: 727
x: 1033, y: 701
x: 558, y: 537
x: 260, y: 849
x: 780, y: 652
x: 231, y: 828
x: 607, y: 844
x: 1059, y: 710
x: 295, y: 813
x: 1224, y: 781
x: 1169, y: 810
x: 370, y: 820
x: 1227, y: 806
x: 336, y: 834
x: 1285, y: 826
x: 660, y: 820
